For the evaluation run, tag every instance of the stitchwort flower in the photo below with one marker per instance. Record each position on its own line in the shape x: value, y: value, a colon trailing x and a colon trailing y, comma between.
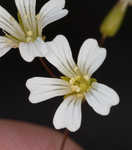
x: 26, y: 33
x: 77, y: 84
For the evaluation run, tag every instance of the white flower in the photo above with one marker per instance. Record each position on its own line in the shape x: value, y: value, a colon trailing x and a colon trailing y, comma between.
x: 76, y: 85
x: 27, y: 34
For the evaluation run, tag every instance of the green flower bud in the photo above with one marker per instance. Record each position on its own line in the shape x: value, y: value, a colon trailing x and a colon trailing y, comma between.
x: 113, y: 20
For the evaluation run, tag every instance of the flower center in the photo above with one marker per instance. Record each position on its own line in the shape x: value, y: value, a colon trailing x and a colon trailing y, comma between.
x: 79, y: 84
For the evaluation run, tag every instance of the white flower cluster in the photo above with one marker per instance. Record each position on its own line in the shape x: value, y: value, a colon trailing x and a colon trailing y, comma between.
x: 76, y: 84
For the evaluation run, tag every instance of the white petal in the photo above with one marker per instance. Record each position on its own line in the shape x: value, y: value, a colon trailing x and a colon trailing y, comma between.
x: 26, y: 8
x: 10, y: 25
x: 68, y: 114
x: 45, y: 88
x: 51, y: 12
x: 60, y: 56
x: 51, y: 16
x: 51, y: 4
x: 4, y: 45
x: 91, y: 56
x: 31, y: 50
x: 101, y: 98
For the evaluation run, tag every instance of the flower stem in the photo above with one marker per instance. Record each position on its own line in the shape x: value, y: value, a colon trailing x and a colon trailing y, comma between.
x: 102, y: 40
x: 47, y: 68
x: 66, y: 133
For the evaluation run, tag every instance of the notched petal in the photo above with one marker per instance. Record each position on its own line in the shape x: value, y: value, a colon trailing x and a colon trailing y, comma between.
x: 68, y: 114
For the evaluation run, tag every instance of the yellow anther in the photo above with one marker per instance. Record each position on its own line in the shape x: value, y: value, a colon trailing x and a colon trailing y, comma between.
x: 29, y: 33
x: 28, y: 39
x: 75, y: 88
x: 29, y: 36
x: 78, y: 89
x: 72, y: 80
x: 76, y: 69
x: 86, y: 77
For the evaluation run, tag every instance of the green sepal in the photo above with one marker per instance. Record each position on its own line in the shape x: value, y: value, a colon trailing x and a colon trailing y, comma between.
x: 65, y: 78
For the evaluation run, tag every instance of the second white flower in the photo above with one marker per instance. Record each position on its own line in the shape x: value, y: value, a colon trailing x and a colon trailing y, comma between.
x: 77, y: 84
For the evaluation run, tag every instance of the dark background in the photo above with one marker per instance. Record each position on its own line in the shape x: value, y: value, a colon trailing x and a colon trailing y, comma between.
x: 113, y: 132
